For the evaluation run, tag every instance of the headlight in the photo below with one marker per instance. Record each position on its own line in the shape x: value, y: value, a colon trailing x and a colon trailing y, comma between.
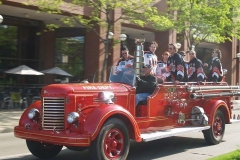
x: 33, y: 113
x: 72, y: 117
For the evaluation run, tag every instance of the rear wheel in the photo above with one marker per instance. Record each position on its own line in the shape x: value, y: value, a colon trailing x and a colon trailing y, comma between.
x: 112, y: 142
x: 43, y: 150
x: 214, y: 135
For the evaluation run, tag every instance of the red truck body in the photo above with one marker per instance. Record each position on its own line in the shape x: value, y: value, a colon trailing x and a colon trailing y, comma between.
x: 103, y: 117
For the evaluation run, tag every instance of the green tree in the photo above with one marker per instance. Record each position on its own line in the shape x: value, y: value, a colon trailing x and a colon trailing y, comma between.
x: 205, y: 20
x: 140, y: 12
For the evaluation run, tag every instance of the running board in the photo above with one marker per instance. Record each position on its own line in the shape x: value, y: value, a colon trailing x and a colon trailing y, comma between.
x: 170, y: 132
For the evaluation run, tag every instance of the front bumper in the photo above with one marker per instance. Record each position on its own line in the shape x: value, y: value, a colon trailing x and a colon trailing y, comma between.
x: 64, y: 138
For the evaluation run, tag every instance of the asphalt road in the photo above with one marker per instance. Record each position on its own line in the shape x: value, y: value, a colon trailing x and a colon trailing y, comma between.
x: 188, y: 146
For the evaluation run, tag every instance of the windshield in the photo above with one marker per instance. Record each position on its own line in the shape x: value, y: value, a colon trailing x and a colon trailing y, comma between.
x: 126, y: 76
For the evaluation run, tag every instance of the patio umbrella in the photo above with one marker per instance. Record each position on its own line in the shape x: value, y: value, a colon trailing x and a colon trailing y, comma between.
x: 57, y: 71
x: 23, y: 70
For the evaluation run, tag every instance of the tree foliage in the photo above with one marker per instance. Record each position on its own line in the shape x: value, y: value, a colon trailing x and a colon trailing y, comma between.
x: 206, y: 20
x: 140, y: 12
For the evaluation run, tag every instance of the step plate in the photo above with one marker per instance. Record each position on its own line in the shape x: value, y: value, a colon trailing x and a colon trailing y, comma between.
x: 170, y: 132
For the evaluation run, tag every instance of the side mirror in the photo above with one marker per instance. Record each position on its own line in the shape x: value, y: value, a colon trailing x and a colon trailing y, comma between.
x: 224, y: 71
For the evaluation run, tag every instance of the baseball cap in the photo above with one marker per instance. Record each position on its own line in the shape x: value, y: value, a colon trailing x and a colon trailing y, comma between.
x: 147, y: 66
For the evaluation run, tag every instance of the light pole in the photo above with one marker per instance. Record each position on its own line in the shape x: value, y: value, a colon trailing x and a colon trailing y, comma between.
x: 237, y: 70
x: 238, y: 55
x: 122, y: 38
x: 178, y: 45
x: 1, y: 19
x: 193, y: 48
x: 110, y: 35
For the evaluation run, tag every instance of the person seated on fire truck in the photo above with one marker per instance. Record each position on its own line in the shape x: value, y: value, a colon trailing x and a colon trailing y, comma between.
x: 161, y: 70
x: 146, y: 84
x: 175, y: 65
x: 150, y: 57
x: 185, y: 64
x: 125, y: 63
x: 124, y: 69
x: 195, y: 68
x: 215, y: 73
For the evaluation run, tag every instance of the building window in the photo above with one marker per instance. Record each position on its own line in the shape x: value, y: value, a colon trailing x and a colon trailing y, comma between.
x: 69, y: 57
x: 18, y: 46
x: 8, y: 41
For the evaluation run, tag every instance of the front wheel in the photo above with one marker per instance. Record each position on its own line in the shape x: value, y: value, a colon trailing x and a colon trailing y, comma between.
x: 112, y: 142
x: 214, y: 135
x: 43, y: 150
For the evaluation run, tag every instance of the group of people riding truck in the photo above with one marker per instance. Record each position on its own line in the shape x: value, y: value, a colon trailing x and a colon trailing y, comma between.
x: 172, y: 68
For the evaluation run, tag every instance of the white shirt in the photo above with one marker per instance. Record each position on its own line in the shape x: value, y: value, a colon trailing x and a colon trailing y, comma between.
x: 161, y: 70
x: 150, y: 58
x: 124, y: 65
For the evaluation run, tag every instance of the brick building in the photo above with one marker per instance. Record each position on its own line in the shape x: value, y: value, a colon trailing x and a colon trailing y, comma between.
x: 77, y: 50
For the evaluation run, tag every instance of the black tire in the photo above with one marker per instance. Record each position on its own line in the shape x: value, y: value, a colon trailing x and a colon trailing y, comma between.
x: 112, y: 142
x: 43, y: 150
x: 214, y: 135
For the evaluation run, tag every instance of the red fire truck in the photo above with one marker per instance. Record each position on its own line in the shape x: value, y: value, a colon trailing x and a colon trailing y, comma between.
x: 103, y: 117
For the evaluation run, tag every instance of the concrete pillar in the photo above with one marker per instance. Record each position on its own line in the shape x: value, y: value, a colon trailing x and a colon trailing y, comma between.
x: 46, y: 55
x: 93, y: 56
x: 163, y: 39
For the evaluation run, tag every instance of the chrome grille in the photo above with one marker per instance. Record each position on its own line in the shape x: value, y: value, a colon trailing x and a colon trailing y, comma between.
x: 53, y: 113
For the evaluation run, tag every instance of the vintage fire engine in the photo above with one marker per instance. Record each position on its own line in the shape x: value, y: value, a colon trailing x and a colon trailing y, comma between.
x: 103, y: 117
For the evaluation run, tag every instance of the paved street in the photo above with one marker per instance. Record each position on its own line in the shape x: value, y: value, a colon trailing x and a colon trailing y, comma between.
x: 9, y: 119
x: 186, y: 146
x: 195, y: 146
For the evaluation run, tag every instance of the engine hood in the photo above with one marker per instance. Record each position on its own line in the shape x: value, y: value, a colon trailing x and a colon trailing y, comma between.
x: 74, y: 88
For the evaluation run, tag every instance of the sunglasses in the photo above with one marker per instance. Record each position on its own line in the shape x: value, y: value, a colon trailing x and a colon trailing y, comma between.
x: 124, y: 53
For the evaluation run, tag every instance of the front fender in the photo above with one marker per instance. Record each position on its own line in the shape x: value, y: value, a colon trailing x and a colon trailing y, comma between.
x: 24, y: 117
x: 210, y: 107
x: 94, y: 121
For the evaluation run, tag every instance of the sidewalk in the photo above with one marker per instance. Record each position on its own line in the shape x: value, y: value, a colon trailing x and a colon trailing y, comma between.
x: 236, y: 104
x: 9, y: 118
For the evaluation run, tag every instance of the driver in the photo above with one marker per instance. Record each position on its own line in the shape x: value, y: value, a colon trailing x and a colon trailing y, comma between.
x: 146, y: 84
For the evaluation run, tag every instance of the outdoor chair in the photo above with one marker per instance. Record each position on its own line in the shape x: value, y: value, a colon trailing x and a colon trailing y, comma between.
x: 23, y: 103
x: 15, y: 97
x: 7, y: 103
